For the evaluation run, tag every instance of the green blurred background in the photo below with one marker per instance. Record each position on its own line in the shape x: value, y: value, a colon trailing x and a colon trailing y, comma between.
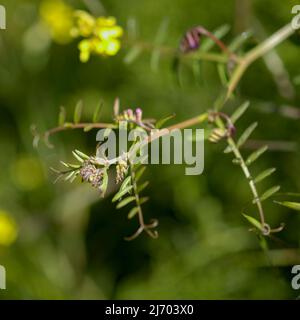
x: 65, y: 242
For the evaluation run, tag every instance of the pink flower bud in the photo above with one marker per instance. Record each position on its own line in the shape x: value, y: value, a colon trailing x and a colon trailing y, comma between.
x: 129, y: 113
x: 139, y: 114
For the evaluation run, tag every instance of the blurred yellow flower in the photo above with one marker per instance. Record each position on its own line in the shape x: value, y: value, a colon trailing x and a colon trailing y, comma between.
x: 102, y: 35
x: 84, y: 24
x: 27, y: 173
x: 8, y: 229
x: 58, y: 17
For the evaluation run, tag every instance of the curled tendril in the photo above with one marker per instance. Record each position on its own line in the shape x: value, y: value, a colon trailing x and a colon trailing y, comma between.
x: 147, y: 228
x: 191, y: 41
x: 266, y: 229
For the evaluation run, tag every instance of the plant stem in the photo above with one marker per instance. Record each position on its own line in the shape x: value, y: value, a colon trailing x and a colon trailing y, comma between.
x: 79, y: 126
x: 248, y: 176
x: 256, y: 53
x: 143, y: 226
x: 170, y: 51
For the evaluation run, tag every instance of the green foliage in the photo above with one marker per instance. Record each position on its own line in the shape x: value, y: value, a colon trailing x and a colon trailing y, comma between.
x: 239, y: 112
x: 78, y: 112
x: 253, y: 222
x: 266, y: 173
x: 246, y: 134
x: 269, y: 193
x: 290, y: 205
x: 255, y: 155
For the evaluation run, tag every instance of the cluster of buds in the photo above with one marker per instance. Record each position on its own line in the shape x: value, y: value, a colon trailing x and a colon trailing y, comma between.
x: 130, y: 115
x: 191, y: 40
x: 91, y: 174
x: 122, y: 169
x: 101, y: 35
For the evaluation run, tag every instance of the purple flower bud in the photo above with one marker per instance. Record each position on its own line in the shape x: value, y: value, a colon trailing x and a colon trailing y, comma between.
x: 129, y: 113
x: 139, y: 114
x: 190, y: 41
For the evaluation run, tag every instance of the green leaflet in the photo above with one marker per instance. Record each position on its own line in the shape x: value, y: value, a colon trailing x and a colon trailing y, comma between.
x: 290, y: 205
x: 228, y: 149
x: 197, y: 71
x: 65, y: 164
x: 239, y: 40
x: 239, y: 111
x: 253, y: 221
x: 132, y: 28
x: 264, y: 175
x: 69, y: 176
x: 74, y: 177
x: 97, y: 111
x: 269, y: 193
x: 121, y: 193
x: 78, y: 112
x: 159, y: 39
x: 221, y: 68
x: 263, y: 243
x: 142, y: 186
x: 62, y: 116
x: 88, y: 128
x: 244, y: 137
x: 133, y: 212
x: 125, y: 183
x: 290, y: 194
x: 139, y: 173
x: 143, y: 200
x: 68, y: 125
x: 133, y: 54
x: 255, y: 155
x: 124, y: 202
x: 77, y: 157
x: 82, y: 155
x: 74, y: 166
x: 162, y: 121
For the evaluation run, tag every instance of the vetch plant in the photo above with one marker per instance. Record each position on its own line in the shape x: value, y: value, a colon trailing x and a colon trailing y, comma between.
x: 101, y: 36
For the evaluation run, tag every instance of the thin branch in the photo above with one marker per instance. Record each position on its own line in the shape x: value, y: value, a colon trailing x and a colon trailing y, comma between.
x: 249, y: 178
x: 143, y: 227
x: 256, y: 53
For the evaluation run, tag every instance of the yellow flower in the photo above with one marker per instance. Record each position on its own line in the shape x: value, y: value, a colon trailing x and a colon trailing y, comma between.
x: 85, y: 47
x: 84, y: 24
x: 106, y: 22
x: 102, y: 35
x: 112, y: 47
x: 8, y: 229
x: 58, y: 17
